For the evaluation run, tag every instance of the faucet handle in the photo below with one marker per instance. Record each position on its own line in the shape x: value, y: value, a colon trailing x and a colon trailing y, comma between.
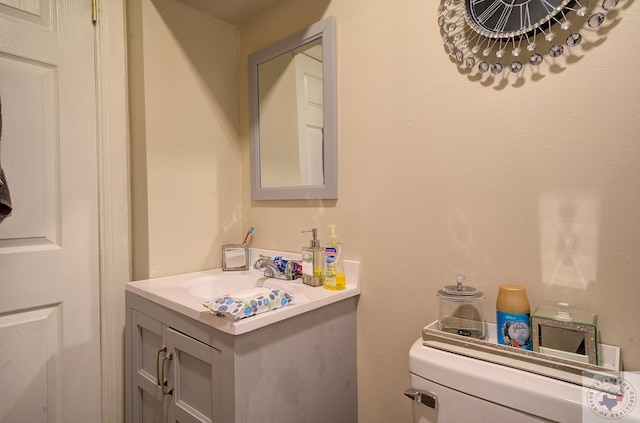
x: 293, y: 269
x: 288, y: 270
x: 260, y: 263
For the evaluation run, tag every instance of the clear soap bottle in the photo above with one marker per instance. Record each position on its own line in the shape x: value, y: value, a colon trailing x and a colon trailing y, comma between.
x: 312, y: 260
x: 333, y: 267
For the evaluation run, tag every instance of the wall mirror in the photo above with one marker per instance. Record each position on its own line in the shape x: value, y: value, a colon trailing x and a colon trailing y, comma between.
x: 293, y: 128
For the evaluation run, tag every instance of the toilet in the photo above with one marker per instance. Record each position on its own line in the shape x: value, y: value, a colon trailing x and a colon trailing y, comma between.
x: 450, y: 388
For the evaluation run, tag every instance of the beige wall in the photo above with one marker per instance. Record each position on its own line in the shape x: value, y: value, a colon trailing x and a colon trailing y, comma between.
x: 186, y: 151
x: 532, y: 180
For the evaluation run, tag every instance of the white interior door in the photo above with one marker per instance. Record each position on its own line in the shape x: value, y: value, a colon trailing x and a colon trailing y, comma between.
x: 49, y: 324
x: 310, y: 99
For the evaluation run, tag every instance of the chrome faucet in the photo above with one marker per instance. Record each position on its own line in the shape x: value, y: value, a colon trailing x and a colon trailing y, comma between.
x: 272, y: 271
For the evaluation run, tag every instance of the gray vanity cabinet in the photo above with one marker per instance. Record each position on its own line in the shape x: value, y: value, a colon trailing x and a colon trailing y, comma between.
x: 301, y: 369
x: 176, y: 378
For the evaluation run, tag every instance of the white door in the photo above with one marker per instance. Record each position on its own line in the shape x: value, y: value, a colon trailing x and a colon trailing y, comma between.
x: 310, y: 102
x: 49, y: 324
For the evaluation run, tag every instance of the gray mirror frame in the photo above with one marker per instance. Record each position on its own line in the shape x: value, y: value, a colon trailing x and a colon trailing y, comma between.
x: 324, y: 29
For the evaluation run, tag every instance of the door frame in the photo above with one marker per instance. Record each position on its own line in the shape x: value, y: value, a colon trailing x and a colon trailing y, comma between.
x: 113, y: 200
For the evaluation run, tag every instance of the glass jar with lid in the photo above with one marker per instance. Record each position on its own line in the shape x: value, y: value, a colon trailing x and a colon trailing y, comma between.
x: 461, y: 310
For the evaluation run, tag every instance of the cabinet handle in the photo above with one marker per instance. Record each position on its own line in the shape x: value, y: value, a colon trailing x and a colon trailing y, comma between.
x: 168, y: 390
x: 425, y: 397
x: 160, y: 351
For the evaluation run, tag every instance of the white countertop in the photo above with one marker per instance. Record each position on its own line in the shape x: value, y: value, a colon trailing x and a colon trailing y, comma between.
x: 172, y: 292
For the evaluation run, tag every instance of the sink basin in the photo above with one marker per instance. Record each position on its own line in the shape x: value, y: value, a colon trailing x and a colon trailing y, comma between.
x: 210, y: 287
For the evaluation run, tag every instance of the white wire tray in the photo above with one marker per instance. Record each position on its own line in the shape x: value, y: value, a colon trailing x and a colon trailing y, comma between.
x: 608, y: 370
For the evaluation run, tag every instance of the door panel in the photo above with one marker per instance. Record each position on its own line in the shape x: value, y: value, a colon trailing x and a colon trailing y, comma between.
x: 33, y: 182
x: 32, y: 364
x: 37, y: 12
x: 49, y: 325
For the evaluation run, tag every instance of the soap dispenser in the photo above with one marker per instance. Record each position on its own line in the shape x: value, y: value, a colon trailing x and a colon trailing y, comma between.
x: 333, y: 268
x: 312, y: 260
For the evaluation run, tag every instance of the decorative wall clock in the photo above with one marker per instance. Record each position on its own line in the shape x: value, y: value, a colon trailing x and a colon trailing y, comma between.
x: 488, y: 35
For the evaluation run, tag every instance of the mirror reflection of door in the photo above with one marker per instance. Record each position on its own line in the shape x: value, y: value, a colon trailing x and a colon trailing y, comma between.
x: 291, y: 118
x: 310, y: 115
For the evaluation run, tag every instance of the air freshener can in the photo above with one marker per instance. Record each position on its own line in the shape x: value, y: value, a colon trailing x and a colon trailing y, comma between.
x: 513, y: 319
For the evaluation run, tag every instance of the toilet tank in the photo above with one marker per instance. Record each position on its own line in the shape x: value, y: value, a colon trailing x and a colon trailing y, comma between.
x: 451, y: 388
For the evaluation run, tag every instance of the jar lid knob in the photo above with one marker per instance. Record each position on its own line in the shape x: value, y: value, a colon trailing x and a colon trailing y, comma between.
x: 460, y: 279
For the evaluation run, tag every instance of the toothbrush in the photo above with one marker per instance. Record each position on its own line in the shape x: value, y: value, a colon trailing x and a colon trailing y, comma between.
x: 246, y: 237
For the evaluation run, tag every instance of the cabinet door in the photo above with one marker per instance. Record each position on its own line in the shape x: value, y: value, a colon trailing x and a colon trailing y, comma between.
x: 195, y: 379
x: 147, y: 350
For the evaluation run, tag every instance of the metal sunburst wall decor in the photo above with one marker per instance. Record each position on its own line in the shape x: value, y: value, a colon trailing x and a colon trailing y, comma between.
x: 491, y: 35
